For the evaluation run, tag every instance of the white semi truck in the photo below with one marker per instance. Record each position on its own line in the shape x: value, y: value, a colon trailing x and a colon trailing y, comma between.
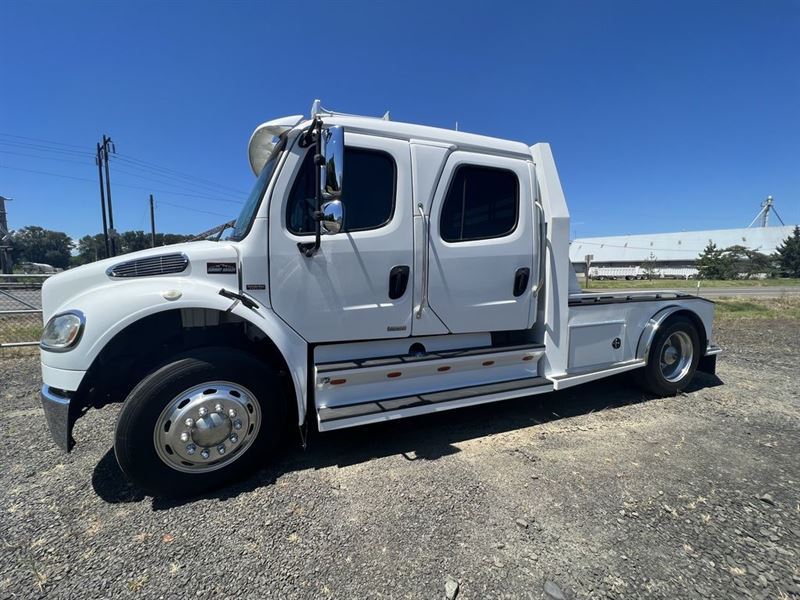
x: 378, y: 270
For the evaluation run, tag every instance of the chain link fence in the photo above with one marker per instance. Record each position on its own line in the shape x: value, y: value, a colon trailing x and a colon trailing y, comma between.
x: 20, y: 312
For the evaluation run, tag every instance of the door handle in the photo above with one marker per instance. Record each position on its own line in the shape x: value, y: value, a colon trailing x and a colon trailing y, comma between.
x: 521, y: 278
x: 398, y: 281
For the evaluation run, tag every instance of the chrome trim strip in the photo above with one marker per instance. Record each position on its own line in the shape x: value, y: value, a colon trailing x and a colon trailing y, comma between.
x: 542, y: 266
x: 649, y: 332
x: 423, y: 301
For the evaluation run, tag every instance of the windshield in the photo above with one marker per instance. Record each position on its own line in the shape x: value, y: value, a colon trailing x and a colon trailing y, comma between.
x: 248, y: 212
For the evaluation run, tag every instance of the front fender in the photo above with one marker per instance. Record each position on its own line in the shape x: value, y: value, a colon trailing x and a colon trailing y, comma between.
x: 110, y: 308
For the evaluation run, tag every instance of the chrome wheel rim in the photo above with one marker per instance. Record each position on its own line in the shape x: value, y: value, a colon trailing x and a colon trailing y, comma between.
x: 676, y: 356
x: 207, y: 427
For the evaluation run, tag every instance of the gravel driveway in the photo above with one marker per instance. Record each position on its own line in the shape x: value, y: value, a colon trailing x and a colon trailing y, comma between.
x: 595, y: 492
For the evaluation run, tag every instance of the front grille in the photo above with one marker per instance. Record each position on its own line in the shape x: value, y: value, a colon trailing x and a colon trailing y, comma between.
x: 152, y: 265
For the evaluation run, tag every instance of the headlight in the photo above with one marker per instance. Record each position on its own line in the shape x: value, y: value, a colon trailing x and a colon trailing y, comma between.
x: 63, y: 331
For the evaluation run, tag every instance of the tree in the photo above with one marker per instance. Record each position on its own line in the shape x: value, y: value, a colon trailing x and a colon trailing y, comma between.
x: 93, y: 247
x: 746, y: 263
x: 714, y: 263
x: 649, y: 266
x: 39, y: 245
x: 90, y: 249
x: 788, y: 254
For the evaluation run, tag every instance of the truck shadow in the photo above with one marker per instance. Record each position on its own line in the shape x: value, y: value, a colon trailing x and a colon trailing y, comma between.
x: 427, y: 437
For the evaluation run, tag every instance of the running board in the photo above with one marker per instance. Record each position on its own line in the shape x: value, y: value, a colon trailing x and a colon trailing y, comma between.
x: 350, y: 415
x: 351, y: 382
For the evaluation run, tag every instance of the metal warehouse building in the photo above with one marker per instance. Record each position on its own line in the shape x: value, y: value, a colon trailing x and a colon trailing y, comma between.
x: 672, y: 254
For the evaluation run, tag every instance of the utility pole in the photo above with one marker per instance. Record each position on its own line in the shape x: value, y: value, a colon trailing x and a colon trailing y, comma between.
x: 5, y: 238
x: 99, y: 161
x: 152, y: 224
x: 107, y: 143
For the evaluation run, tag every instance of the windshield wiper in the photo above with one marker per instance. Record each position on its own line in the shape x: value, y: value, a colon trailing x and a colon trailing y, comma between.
x: 219, y: 230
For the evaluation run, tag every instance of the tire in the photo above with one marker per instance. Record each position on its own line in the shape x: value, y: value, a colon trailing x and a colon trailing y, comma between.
x: 245, y: 415
x: 668, y: 371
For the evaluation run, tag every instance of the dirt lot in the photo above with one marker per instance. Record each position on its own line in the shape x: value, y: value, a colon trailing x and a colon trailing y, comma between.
x: 593, y: 492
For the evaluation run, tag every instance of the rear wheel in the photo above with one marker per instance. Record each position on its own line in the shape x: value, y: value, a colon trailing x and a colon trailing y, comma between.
x: 206, y: 418
x: 673, y: 358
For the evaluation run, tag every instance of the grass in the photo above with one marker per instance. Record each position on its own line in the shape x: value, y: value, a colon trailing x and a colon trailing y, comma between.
x: 613, y: 284
x: 785, y: 308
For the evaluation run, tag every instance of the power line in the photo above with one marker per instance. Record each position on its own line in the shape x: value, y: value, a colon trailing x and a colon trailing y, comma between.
x: 193, y: 209
x: 135, y: 187
x: 67, y: 160
x: 179, y: 184
x: 43, y: 148
x: 153, y: 166
x: 24, y: 137
x: 42, y: 145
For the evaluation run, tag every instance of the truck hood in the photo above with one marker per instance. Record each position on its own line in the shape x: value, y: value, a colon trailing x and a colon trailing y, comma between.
x: 58, y: 291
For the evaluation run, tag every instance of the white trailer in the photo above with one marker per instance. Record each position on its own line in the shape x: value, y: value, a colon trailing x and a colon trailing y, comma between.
x: 378, y: 270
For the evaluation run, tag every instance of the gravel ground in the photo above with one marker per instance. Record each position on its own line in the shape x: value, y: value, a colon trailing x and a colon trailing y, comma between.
x: 595, y: 492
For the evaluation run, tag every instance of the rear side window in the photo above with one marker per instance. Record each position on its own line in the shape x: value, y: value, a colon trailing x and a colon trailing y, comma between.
x: 368, y: 192
x: 481, y: 203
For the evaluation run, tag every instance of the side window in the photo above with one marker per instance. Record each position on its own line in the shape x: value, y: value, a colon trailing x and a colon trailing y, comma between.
x: 481, y: 203
x: 367, y: 194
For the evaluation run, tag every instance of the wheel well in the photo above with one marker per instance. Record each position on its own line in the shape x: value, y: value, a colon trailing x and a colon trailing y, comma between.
x: 149, y: 342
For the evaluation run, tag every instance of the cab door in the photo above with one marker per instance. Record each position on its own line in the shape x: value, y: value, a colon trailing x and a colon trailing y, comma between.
x: 481, y: 263
x: 357, y: 286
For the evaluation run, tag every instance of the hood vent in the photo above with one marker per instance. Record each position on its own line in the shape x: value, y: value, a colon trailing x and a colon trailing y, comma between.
x: 163, y: 264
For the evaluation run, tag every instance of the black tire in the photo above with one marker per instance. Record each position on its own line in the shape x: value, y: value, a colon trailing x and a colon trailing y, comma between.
x: 134, y: 444
x: 651, y: 377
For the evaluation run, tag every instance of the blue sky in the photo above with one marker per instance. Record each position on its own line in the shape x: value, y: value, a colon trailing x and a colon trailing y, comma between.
x: 663, y: 116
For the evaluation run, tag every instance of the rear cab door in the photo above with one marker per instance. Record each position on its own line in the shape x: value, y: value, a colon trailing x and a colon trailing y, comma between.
x: 481, y: 240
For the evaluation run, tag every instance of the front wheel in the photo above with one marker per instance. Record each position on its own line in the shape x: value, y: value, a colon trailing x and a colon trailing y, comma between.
x: 673, y: 358
x: 200, y: 421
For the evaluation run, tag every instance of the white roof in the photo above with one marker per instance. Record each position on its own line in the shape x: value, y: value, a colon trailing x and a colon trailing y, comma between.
x: 410, y: 131
x: 680, y: 246
x: 396, y: 129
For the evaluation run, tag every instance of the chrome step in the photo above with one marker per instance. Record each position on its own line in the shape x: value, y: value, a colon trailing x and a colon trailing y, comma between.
x: 358, y: 381
x: 388, y: 405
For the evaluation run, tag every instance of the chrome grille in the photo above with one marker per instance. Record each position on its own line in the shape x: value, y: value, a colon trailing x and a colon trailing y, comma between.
x: 152, y: 265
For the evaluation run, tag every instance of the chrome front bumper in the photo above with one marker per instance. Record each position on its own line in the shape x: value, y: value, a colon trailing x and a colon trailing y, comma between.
x: 56, y: 406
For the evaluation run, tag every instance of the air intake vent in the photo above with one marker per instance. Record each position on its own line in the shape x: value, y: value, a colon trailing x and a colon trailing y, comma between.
x: 152, y: 265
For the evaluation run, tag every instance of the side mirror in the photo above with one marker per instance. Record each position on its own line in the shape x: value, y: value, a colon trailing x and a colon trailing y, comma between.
x: 330, y: 180
x: 332, y: 220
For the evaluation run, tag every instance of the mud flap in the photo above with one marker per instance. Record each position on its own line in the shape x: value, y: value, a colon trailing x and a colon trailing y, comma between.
x: 708, y: 364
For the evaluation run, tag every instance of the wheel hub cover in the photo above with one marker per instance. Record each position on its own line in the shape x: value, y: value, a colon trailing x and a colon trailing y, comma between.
x: 211, y: 429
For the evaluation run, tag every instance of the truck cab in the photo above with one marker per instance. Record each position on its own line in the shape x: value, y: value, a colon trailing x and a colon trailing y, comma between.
x: 378, y: 270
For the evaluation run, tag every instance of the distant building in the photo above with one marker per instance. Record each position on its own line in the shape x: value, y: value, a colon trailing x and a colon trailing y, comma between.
x: 669, y: 254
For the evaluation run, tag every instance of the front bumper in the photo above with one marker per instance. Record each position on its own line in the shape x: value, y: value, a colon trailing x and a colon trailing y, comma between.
x: 56, y: 404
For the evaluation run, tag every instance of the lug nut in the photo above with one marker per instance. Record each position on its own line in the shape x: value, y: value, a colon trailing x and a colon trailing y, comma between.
x: 190, y: 449
x: 234, y: 438
x: 189, y: 422
x: 237, y: 424
x: 203, y: 411
x: 185, y: 437
x: 205, y: 453
x: 231, y: 413
x: 218, y: 408
x: 221, y: 449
